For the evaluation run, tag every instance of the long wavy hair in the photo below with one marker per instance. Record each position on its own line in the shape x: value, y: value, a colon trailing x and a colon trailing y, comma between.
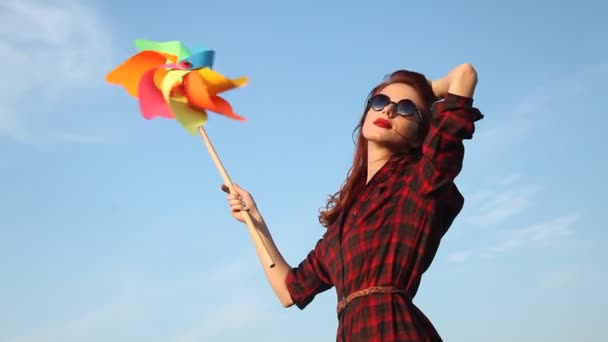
x: 357, y: 175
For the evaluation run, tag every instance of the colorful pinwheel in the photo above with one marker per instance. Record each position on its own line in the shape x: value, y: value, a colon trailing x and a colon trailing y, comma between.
x: 171, y: 82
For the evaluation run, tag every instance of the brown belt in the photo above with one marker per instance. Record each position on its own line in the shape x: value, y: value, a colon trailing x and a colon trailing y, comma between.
x: 342, y: 303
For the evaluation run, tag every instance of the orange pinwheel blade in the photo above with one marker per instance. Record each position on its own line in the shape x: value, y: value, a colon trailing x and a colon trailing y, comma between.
x: 159, y: 75
x: 198, y: 95
x: 128, y: 73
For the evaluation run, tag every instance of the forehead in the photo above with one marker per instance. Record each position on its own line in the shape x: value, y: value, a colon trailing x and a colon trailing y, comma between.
x: 400, y: 91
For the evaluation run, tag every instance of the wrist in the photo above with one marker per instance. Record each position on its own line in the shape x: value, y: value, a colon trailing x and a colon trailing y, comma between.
x: 256, y: 217
x: 440, y: 86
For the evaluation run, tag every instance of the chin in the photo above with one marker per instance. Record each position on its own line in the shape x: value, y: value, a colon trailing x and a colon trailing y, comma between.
x: 376, y: 138
x: 376, y: 134
x: 384, y: 141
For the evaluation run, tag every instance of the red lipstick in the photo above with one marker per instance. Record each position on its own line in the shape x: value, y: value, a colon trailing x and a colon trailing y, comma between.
x: 383, y: 123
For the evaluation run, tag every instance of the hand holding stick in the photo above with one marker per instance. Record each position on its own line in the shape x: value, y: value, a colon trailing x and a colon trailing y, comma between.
x: 255, y: 233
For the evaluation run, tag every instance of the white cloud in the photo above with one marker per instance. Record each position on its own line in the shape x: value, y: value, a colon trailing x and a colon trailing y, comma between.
x: 543, y: 234
x: 84, y: 327
x: 494, y: 208
x: 51, y: 52
x: 503, y: 199
x: 505, y: 128
x: 239, y: 313
x: 561, y: 277
x: 510, y: 179
x: 553, y: 233
x: 217, y: 303
x: 460, y: 256
x: 80, y: 138
x: 233, y: 270
x: 508, y: 198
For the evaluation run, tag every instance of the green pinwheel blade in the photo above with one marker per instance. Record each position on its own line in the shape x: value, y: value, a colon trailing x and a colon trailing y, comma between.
x: 173, y: 47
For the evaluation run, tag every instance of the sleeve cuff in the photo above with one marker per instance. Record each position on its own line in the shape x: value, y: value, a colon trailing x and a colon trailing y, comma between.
x: 461, y: 105
x: 294, y: 289
x: 453, y: 101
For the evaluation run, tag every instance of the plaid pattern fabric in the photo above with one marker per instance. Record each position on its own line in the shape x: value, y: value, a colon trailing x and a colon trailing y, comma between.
x: 391, y: 234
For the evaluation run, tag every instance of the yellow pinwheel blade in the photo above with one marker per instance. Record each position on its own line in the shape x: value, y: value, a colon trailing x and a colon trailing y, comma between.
x: 217, y: 83
x: 189, y: 118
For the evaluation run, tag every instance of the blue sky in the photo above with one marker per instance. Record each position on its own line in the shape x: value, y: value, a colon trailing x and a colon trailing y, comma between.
x: 113, y: 228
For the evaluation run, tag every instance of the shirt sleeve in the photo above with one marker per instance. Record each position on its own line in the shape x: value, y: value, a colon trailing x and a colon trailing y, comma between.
x: 309, y: 278
x: 453, y: 121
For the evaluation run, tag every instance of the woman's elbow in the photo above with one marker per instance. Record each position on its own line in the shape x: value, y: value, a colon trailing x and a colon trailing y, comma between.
x: 463, y: 80
x: 286, y: 302
x: 468, y: 72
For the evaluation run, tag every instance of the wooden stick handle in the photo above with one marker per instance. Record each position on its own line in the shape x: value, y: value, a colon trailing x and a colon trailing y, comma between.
x: 256, y: 235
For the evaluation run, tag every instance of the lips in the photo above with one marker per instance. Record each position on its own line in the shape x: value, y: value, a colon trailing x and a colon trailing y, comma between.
x: 383, y: 123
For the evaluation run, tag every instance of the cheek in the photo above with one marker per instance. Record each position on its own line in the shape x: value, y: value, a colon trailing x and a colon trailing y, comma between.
x: 368, y: 122
x: 407, y: 128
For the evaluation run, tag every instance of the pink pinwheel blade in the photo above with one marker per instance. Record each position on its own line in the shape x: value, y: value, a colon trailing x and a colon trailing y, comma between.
x: 151, y: 101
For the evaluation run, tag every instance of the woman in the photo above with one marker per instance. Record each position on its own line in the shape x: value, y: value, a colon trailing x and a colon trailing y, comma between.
x: 385, y: 224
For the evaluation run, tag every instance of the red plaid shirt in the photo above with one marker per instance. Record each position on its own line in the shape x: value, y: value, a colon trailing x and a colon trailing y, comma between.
x: 391, y: 234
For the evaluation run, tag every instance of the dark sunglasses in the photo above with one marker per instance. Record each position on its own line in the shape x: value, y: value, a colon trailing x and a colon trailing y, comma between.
x: 404, y: 107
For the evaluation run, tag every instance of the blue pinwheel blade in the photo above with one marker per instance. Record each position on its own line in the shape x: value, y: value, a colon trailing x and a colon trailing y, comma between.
x: 201, y: 59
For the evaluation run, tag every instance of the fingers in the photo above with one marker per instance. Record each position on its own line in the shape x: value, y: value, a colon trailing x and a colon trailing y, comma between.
x: 237, y: 205
x: 236, y: 201
x: 237, y: 188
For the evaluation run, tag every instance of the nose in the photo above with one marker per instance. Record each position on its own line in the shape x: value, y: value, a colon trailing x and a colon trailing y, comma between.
x: 390, y: 110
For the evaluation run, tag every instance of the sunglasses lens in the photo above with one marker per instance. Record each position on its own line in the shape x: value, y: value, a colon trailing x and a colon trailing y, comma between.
x: 406, y: 107
x: 378, y: 102
x: 403, y: 108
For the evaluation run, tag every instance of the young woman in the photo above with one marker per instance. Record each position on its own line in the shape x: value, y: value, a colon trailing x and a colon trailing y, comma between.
x: 385, y: 224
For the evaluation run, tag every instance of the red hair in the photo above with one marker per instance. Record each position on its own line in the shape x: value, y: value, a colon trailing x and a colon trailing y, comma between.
x: 357, y: 175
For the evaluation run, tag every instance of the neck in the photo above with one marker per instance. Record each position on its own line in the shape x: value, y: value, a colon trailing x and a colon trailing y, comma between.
x: 377, y: 156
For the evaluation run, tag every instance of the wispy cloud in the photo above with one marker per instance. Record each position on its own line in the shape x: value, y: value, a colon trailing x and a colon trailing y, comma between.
x: 87, y: 326
x: 460, y: 256
x: 505, y: 128
x: 559, y: 277
x: 504, y: 198
x: 129, y: 300
x: 552, y: 233
x: 239, y: 314
x: 495, y: 209
x: 51, y: 50
x: 81, y: 138
x: 544, y: 234
x: 501, y: 207
x: 510, y: 179
x: 239, y: 311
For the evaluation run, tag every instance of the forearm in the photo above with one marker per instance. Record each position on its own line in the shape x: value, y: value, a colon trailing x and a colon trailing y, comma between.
x: 453, y: 121
x: 276, y: 275
x: 461, y: 81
